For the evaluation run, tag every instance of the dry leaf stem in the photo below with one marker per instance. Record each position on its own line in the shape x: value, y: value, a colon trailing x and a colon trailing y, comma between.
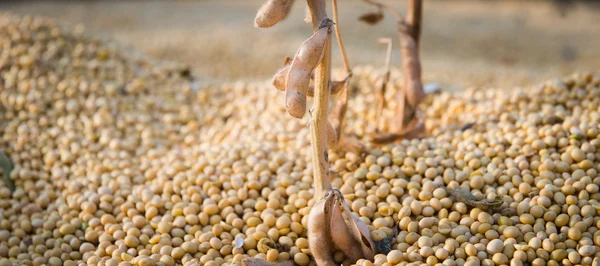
x: 320, y: 106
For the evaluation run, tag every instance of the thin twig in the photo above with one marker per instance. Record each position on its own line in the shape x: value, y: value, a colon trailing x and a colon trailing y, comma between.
x: 321, y: 101
x: 339, y: 110
x: 381, y: 103
x: 339, y: 38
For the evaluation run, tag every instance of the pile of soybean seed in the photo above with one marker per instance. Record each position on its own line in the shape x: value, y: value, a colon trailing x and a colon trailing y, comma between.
x: 123, y: 160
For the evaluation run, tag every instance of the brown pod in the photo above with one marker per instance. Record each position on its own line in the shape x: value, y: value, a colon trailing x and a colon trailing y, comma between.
x: 319, y: 231
x: 411, y: 69
x: 342, y: 236
x: 279, y: 78
x: 331, y: 136
x: 270, y: 13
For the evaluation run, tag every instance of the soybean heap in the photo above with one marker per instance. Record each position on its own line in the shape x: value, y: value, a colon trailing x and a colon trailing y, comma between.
x: 119, y: 159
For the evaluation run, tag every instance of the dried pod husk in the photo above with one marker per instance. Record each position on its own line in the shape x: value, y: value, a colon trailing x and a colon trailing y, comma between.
x: 270, y: 13
x: 298, y: 78
x: 331, y: 136
x: 279, y: 78
x: 342, y: 235
x: 336, y: 87
x: 350, y: 144
x: 259, y: 262
x: 371, y: 18
x: 359, y: 231
x: 265, y: 244
x: 411, y: 69
x: 414, y: 129
x: 319, y: 230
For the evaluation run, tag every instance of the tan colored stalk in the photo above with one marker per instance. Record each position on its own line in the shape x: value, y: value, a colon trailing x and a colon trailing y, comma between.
x: 321, y: 100
x: 339, y: 110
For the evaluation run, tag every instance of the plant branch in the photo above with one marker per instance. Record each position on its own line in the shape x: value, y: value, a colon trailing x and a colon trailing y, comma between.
x: 320, y: 106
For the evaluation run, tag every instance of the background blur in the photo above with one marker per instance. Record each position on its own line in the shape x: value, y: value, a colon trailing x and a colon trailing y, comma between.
x: 465, y: 43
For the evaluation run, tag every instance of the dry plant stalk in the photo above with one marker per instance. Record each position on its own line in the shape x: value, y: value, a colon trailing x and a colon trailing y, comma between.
x: 470, y: 200
x: 412, y: 93
x: 330, y: 214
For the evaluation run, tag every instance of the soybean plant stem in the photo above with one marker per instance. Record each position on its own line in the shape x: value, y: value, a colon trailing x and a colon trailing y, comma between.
x: 321, y: 101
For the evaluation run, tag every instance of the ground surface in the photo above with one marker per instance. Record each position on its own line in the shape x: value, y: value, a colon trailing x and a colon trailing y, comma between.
x: 465, y: 43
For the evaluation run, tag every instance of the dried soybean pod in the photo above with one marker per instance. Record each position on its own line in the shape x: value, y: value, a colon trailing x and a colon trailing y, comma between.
x: 360, y: 231
x: 270, y: 13
x: 279, y: 78
x: 331, y: 136
x: 342, y: 236
x: 259, y: 262
x: 411, y: 69
x: 319, y: 231
x: 305, y: 60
